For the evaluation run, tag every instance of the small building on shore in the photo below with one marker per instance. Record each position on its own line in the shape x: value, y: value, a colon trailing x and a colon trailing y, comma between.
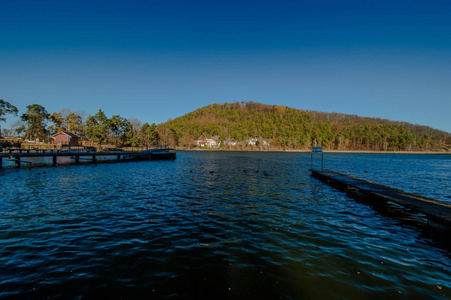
x: 212, y: 142
x: 200, y: 143
x: 66, y: 138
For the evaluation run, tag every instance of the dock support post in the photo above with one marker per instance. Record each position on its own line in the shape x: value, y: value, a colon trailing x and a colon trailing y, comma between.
x: 77, y: 159
x: 17, y: 158
x: 94, y: 160
x: 118, y: 157
x: 54, y: 160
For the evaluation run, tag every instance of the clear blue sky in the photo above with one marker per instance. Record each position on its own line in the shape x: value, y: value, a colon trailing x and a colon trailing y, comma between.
x: 155, y: 60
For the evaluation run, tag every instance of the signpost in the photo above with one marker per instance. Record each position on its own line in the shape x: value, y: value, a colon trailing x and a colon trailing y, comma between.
x: 316, y: 150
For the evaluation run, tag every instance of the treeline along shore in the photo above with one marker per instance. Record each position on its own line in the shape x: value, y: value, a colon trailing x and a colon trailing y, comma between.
x: 37, y: 126
x: 231, y: 126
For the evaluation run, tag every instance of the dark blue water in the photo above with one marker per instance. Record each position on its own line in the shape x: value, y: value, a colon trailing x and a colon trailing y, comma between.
x: 201, y: 227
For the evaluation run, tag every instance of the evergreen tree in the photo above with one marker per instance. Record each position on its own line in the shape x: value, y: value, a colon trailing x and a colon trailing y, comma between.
x: 6, y: 108
x: 36, y: 118
x: 97, y: 127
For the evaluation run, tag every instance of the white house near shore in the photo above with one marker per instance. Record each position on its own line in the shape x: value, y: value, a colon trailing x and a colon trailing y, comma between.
x: 215, y: 142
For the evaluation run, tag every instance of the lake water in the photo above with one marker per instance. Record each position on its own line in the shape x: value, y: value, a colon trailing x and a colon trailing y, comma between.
x: 220, y: 225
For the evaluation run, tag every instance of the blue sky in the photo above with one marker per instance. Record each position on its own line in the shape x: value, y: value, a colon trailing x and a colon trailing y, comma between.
x: 155, y: 60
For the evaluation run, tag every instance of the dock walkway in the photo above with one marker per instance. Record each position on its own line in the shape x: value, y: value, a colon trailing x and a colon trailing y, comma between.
x: 438, y: 213
x: 77, y: 155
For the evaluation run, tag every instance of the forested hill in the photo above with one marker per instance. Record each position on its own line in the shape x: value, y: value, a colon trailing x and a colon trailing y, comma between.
x: 250, y: 125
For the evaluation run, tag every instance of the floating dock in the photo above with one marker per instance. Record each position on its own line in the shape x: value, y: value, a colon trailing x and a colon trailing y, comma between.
x: 17, y: 155
x: 438, y: 213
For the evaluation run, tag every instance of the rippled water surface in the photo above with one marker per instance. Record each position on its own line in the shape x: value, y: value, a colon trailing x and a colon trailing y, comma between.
x: 215, y: 225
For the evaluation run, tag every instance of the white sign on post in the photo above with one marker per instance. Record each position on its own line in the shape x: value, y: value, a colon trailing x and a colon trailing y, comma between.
x: 317, y: 149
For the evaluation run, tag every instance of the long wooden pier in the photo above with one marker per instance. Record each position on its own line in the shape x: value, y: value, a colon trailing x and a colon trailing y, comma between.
x: 438, y: 213
x: 17, y: 155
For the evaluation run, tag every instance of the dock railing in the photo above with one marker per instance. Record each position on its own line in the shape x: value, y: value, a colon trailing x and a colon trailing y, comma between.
x: 50, y: 148
x: 78, y: 153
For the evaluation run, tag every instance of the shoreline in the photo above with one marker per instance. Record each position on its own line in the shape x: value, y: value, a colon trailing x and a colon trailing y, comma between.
x: 324, y: 151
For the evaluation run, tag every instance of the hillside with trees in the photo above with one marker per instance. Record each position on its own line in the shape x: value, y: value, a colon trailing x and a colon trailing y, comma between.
x: 250, y: 125
x: 234, y: 126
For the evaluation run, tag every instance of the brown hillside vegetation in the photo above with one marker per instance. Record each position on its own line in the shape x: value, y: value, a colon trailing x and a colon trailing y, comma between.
x: 250, y: 125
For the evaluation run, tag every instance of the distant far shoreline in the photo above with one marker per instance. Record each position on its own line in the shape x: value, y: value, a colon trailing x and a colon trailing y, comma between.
x: 325, y: 151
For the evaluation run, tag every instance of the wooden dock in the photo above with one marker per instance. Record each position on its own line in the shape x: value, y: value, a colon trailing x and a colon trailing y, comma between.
x: 77, y: 155
x: 438, y: 213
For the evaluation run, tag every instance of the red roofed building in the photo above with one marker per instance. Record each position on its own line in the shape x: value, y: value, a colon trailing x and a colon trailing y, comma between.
x: 65, y: 138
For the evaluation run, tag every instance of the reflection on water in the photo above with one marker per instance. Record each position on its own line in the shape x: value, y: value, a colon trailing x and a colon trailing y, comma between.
x: 217, y: 225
